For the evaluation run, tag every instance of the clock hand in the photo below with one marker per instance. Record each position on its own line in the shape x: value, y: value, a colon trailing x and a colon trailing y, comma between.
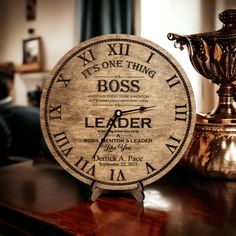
x: 142, y: 108
x: 117, y: 114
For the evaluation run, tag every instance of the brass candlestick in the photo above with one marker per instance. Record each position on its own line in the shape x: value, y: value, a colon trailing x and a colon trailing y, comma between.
x: 212, y: 151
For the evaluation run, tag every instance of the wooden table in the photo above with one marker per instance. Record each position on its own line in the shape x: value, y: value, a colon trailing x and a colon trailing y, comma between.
x: 42, y: 199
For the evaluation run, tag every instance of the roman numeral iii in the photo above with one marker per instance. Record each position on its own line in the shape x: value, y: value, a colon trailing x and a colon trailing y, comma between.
x: 181, y: 112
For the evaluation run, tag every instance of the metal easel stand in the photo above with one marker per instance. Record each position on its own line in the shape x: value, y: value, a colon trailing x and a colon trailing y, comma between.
x: 96, y: 192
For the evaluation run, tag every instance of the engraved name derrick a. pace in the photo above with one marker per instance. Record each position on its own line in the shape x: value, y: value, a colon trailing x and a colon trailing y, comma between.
x: 101, y: 122
x: 120, y: 158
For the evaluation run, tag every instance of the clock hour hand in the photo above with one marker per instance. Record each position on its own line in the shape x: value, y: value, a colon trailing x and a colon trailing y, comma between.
x: 142, y: 108
x: 117, y: 114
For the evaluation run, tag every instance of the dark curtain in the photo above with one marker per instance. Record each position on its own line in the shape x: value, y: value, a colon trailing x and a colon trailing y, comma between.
x: 98, y: 17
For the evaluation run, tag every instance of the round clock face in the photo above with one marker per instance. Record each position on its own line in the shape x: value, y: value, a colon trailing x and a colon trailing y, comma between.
x: 117, y: 109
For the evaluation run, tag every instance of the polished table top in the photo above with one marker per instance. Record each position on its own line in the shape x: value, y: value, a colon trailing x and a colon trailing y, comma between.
x: 43, y: 199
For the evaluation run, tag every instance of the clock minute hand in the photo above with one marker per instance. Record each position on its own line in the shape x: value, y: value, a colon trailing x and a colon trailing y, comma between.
x: 118, y: 113
x: 115, y: 116
x: 142, y: 108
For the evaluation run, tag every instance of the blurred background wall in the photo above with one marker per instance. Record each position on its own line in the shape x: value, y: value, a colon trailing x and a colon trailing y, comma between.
x: 60, y: 22
x: 55, y: 23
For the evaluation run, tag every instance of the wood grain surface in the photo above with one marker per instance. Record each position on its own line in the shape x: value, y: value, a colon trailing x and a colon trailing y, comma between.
x: 42, y: 199
x: 118, y: 110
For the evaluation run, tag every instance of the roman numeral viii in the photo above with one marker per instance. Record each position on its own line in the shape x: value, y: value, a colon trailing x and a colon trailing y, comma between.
x: 63, y: 143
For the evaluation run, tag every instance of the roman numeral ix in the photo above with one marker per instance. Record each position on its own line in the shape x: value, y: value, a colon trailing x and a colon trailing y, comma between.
x: 54, y: 112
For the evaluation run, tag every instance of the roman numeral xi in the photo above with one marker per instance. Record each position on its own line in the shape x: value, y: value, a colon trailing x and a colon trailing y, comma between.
x: 87, y: 57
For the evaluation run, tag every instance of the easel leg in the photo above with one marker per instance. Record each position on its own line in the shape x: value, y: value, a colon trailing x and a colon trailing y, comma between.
x: 96, y: 192
x: 138, y: 193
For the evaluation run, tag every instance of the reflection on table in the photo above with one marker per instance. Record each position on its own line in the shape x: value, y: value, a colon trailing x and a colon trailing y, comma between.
x: 41, y: 198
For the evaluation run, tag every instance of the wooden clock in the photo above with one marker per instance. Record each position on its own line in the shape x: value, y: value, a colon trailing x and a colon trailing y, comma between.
x: 117, y: 110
